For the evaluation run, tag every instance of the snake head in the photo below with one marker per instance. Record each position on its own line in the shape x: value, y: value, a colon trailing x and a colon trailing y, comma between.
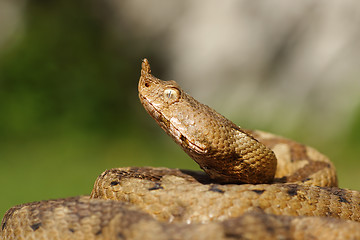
x: 167, y: 103
x: 220, y: 147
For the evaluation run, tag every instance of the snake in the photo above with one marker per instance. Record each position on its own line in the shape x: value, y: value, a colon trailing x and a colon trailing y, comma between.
x: 254, y: 185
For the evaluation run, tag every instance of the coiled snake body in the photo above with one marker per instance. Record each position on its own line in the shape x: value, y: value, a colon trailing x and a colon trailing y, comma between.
x: 255, y: 185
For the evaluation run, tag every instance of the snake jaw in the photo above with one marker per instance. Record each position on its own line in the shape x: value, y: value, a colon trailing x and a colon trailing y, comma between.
x: 169, y: 126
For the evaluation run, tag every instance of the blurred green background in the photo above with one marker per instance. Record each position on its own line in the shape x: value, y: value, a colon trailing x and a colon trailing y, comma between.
x: 69, y: 107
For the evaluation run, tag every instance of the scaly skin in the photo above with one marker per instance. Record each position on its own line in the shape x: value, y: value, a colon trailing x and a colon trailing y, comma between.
x: 168, y: 204
x: 185, y: 196
x: 79, y: 218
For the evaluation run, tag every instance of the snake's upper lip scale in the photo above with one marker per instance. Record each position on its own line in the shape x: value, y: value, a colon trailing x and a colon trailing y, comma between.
x: 176, y: 133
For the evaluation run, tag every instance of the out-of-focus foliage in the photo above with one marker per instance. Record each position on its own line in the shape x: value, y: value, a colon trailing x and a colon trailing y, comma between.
x: 65, y: 70
x: 68, y: 104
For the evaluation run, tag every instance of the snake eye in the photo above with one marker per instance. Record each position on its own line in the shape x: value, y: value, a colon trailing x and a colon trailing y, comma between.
x: 171, y: 94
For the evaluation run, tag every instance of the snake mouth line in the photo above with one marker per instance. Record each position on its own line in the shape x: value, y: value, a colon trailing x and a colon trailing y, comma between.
x: 169, y: 127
